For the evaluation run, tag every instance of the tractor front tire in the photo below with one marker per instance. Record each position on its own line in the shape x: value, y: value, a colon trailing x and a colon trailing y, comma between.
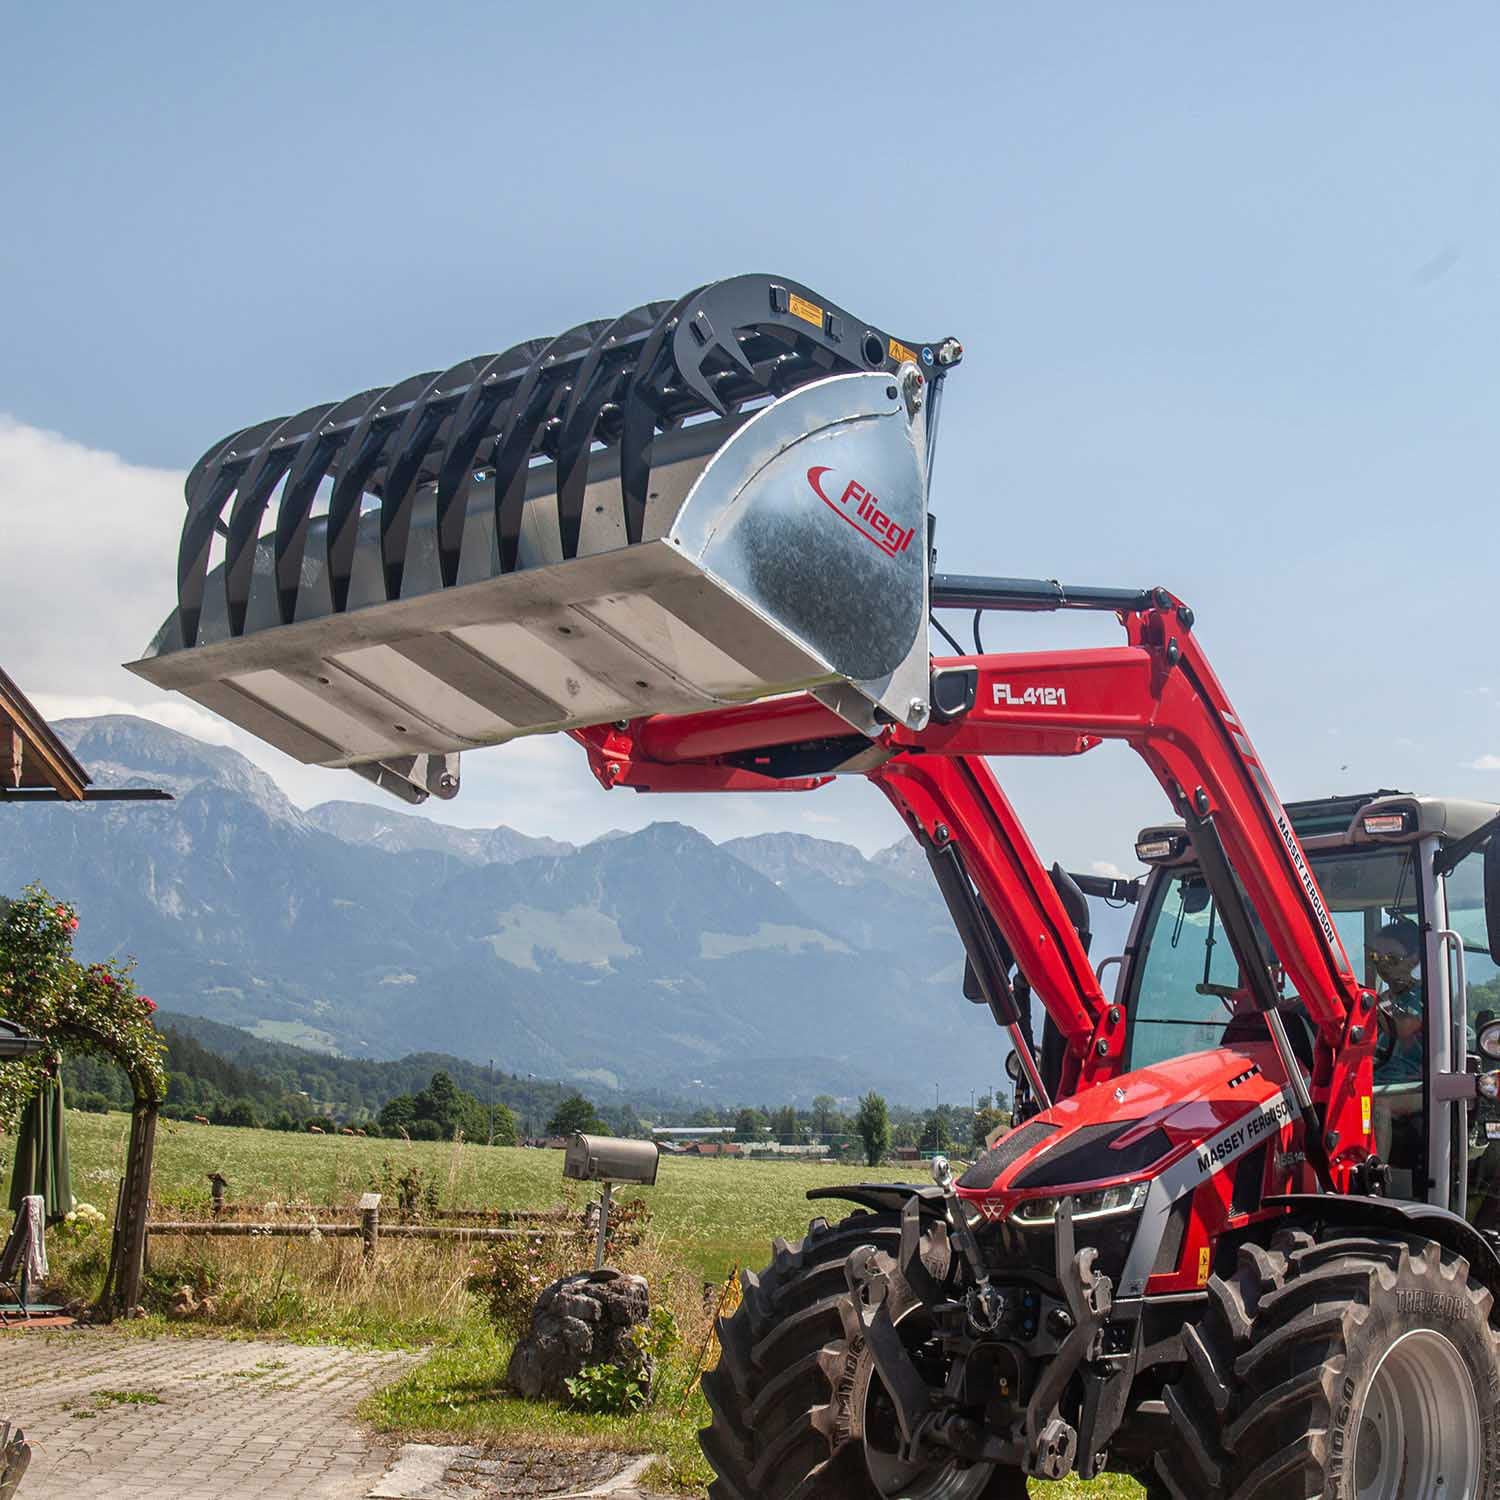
x: 789, y: 1393
x: 1351, y: 1368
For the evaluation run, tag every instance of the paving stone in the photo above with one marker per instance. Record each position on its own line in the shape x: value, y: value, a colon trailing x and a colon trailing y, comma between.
x: 237, y: 1420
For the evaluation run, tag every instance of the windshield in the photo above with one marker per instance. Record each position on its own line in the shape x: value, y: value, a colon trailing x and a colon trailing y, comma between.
x: 1466, y: 918
x: 1187, y: 974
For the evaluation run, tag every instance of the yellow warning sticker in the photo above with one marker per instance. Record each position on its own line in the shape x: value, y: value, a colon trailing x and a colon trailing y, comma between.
x: 809, y: 312
x: 1364, y: 1112
x: 901, y: 354
x: 1203, y: 1266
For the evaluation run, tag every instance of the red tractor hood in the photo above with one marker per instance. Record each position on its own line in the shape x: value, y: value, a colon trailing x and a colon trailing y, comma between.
x: 1208, y: 1105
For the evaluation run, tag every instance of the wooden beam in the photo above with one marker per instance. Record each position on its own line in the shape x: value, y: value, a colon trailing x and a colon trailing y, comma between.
x: 48, y: 753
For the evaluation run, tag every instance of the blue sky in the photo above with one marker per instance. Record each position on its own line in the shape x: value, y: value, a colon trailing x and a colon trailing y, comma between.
x: 1227, y: 280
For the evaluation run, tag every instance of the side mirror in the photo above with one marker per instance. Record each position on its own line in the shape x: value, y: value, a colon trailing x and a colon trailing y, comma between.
x: 1492, y: 893
x: 1013, y: 1066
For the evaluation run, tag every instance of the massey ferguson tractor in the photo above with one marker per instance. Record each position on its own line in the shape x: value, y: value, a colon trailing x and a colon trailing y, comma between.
x: 1244, y: 1244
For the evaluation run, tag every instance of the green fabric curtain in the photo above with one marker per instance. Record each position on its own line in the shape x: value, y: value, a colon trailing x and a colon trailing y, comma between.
x: 41, y: 1162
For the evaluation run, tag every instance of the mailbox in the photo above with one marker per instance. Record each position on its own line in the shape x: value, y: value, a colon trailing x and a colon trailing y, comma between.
x: 602, y: 1158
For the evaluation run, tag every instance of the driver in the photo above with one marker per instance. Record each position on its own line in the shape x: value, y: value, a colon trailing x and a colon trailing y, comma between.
x: 1395, y: 954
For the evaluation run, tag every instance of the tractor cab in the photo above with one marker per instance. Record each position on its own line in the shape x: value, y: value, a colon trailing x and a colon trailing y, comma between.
x: 1403, y: 878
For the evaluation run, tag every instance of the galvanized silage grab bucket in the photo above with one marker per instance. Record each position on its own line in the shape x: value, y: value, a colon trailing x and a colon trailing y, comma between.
x: 705, y: 501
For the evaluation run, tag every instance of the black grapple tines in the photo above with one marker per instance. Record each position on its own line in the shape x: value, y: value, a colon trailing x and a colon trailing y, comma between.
x: 706, y: 501
x: 592, y: 402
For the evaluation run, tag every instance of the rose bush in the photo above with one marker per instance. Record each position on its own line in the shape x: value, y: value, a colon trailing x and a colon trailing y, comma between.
x: 73, y: 1006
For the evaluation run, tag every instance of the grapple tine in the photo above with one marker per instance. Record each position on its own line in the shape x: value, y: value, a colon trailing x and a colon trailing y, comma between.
x: 605, y: 368
x: 419, y: 432
x: 542, y: 387
x: 472, y: 424
x: 361, y: 459
x: 641, y: 417
x: 251, y: 498
x: 215, y: 483
x: 617, y: 521
x: 312, y: 464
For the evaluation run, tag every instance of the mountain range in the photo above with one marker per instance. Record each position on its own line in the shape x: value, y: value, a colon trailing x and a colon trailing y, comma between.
x: 768, y: 968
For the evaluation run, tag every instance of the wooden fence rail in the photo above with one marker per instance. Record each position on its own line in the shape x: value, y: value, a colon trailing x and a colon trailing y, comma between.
x: 369, y: 1229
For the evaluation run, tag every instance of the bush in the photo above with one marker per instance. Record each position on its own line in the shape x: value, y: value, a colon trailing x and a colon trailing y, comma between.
x: 510, y: 1277
x: 424, y: 1130
x: 412, y: 1194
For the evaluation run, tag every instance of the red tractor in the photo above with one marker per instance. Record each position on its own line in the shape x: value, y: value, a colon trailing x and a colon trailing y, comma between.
x: 1241, y: 1245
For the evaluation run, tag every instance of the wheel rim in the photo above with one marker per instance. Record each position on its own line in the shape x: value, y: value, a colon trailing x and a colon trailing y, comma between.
x: 1418, y: 1433
x: 940, y: 1479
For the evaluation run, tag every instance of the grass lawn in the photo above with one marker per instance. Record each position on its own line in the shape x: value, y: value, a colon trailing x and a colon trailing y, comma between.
x: 708, y: 1217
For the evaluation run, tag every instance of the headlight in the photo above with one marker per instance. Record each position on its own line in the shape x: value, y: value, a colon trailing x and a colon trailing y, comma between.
x: 1098, y: 1205
x: 1489, y: 1039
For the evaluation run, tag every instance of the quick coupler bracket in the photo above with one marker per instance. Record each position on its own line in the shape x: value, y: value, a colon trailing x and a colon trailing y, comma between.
x: 1051, y: 1441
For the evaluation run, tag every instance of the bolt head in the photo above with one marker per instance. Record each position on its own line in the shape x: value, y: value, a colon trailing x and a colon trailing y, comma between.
x: 913, y: 384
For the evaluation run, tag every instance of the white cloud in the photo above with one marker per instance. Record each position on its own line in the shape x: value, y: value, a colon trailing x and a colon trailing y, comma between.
x: 1108, y: 868
x: 175, y: 713
x: 1483, y: 763
x: 88, y: 569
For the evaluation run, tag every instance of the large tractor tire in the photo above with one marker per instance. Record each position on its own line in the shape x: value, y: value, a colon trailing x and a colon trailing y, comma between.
x: 795, y: 1405
x: 1350, y: 1368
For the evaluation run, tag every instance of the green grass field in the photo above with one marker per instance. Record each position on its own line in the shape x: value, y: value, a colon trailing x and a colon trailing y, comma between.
x: 707, y: 1218
x: 717, y: 1214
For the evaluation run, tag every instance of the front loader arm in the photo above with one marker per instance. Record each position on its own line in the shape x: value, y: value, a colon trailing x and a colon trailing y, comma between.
x: 1159, y: 695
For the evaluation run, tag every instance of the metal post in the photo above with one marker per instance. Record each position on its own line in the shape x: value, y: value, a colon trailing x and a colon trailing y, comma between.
x: 603, y: 1225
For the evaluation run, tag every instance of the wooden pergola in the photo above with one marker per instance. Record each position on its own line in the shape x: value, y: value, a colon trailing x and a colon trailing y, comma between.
x: 35, y: 766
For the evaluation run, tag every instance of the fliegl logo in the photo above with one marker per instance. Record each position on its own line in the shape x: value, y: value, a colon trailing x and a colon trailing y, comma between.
x: 861, y: 510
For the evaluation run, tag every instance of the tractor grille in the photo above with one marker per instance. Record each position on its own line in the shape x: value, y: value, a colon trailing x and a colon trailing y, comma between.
x: 1088, y: 1155
x: 986, y: 1171
x: 1008, y: 1249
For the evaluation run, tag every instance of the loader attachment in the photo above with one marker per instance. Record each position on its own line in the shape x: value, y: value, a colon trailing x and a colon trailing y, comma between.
x: 705, y: 501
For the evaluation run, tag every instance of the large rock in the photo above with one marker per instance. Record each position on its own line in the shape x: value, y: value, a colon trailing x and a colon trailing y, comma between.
x: 578, y: 1321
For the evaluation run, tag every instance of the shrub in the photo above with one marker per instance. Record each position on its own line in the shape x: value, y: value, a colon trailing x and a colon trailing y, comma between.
x: 613, y: 1390
x: 510, y: 1277
x: 410, y: 1192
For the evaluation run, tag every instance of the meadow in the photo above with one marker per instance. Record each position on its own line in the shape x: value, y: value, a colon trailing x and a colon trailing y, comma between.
x: 707, y: 1218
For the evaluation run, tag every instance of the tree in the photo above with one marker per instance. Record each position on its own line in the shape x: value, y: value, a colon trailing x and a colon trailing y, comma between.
x: 786, y: 1127
x: 935, y: 1133
x: 825, y: 1113
x: 398, y: 1114
x: 505, y: 1127
x: 749, y: 1125
x: 575, y: 1116
x: 873, y: 1124
x: 237, y: 1112
x: 987, y: 1120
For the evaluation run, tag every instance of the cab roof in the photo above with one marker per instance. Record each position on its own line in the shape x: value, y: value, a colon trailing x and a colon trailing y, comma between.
x: 1338, y: 822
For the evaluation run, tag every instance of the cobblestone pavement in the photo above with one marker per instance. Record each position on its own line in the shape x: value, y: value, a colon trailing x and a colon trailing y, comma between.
x: 111, y: 1416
